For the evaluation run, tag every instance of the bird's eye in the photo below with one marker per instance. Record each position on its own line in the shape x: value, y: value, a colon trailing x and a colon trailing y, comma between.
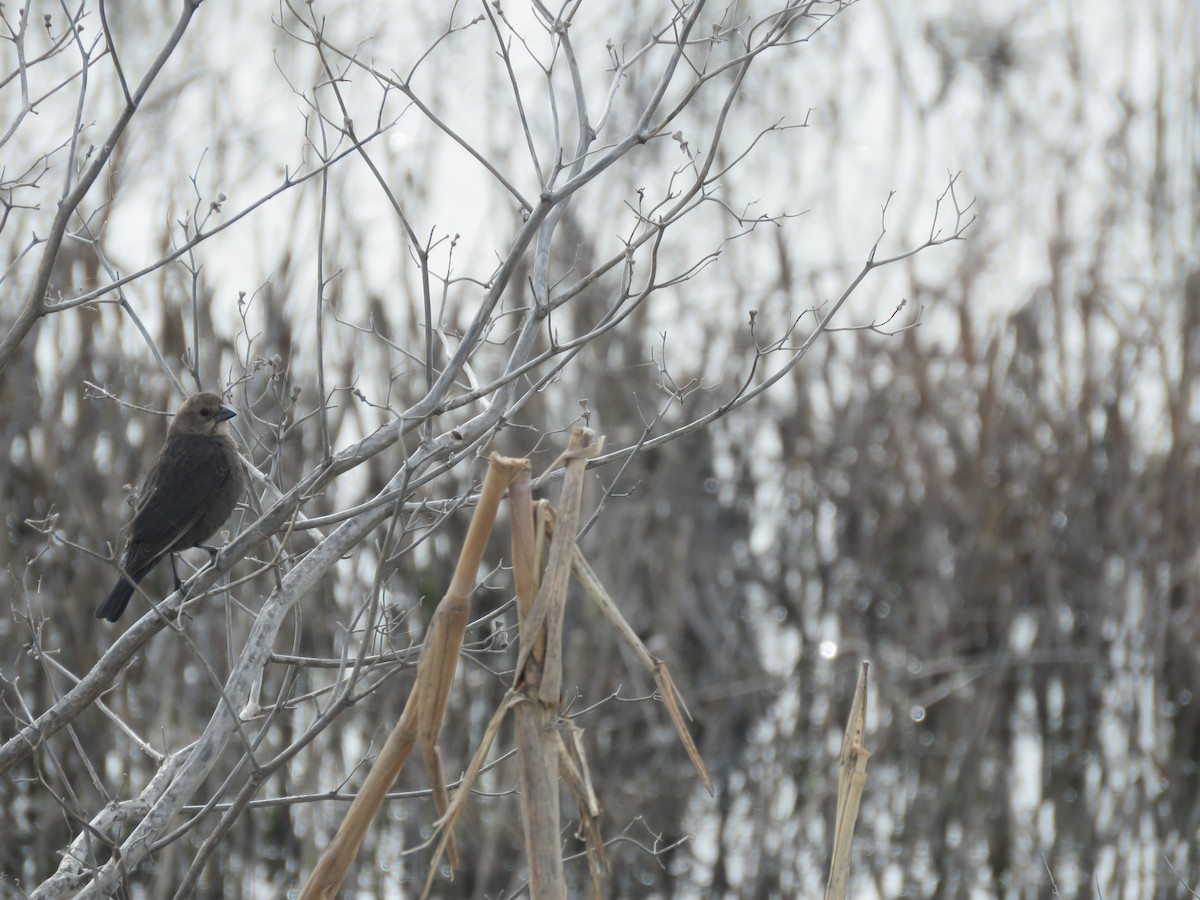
x: 206, y: 411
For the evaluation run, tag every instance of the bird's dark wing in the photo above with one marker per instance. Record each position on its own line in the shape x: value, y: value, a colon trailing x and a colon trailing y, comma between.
x: 188, y: 474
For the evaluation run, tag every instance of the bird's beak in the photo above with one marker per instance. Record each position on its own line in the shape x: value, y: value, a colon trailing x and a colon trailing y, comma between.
x: 224, y: 412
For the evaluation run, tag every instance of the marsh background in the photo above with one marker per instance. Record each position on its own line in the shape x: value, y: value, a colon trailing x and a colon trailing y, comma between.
x: 997, y: 506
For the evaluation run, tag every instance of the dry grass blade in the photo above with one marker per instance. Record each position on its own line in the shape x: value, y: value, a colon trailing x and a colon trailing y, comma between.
x: 573, y: 766
x: 574, y: 759
x: 852, y: 776
x: 666, y: 686
x: 446, y: 823
x: 677, y: 710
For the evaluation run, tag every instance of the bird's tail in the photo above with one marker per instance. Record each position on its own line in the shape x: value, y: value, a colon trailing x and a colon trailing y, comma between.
x: 116, y: 601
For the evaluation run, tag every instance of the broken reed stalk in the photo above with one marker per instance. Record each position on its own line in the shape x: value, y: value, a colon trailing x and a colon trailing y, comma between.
x: 852, y: 777
x: 548, y: 747
x: 424, y: 711
x: 540, y: 604
x: 536, y: 719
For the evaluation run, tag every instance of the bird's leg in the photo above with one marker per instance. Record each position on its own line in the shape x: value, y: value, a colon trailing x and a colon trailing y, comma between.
x: 212, y: 551
x: 178, y: 583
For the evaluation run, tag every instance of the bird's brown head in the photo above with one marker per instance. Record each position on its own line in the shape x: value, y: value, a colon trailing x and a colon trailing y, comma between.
x: 202, y: 414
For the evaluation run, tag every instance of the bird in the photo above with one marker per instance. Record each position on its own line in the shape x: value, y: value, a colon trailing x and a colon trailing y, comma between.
x: 191, y: 490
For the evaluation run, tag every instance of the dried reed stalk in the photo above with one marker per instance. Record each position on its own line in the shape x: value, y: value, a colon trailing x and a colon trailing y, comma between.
x: 424, y: 711
x: 852, y: 776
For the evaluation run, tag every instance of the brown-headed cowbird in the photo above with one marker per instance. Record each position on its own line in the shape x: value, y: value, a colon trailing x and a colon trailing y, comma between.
x: 191, y: 490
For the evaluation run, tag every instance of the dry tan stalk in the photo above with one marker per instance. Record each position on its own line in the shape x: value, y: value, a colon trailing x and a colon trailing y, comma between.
x: 443, y: 641
x: 425, y: 708
x: 526, y: 552
x: 852, y: 776
x: 529, y: 547
x: 671, y: 697
x: 580, y: 449
x: 540, y: 680
x: 330, y: 870
x: 537, y: 755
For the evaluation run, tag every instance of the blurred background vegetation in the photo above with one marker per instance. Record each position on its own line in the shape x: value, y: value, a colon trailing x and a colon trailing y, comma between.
x: 998, y: 508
